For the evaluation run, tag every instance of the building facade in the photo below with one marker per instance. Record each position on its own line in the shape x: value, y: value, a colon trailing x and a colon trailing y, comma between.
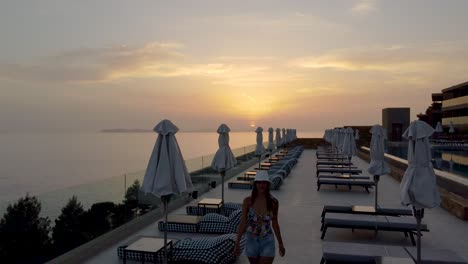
x: 455, y: 107
x: 395, y: 121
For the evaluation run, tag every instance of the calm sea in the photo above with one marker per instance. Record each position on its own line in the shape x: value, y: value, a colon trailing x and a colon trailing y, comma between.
x: 91, y: 166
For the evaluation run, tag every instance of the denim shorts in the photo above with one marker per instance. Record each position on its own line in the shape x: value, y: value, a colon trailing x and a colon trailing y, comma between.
x: 260, y: 247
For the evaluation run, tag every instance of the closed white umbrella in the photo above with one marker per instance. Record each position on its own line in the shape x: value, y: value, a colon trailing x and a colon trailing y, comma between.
x: 439, y: 128
x: 259, y: 148
x: 166, y: 173
x: 418, y: 186
x: 451, y: 128
x: 278, y: 138
x: 336, y: 139
x: 341, y: 138
x: 356, y: 134
x: 224, y: 158
x: 271, y: 144
x: 349, y: 145
x: 284, y: 140
x: 377, y: 166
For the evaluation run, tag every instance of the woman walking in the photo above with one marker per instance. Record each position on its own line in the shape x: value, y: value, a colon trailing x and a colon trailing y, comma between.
x: 260, y: 219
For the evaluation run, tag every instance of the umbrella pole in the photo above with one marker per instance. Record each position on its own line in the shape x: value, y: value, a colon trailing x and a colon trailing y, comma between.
x: 349, y: 164
x: 419, y: 214
x: 376, y: 180
x: 165, y: 202
x: 259, y: 158
x: 223, y: 173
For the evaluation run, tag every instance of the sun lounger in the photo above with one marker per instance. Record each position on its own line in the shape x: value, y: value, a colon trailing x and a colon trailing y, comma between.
x: 325, y: 162
x: 333, y: 158
x: 366, y: 184
x: 202, y: 250
x: 338, y: 167
x: 407, y: 225
x: 227, y: 207
x: 238, y: 184
x: 210, y: 223
x: 349, y: 209
x: 343, y: 176
x: 206, y: 250
x: 338, y: 170
x: 340, y: 252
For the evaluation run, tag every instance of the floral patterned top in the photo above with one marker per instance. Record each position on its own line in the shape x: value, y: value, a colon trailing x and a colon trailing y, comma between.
x: 259, y: 225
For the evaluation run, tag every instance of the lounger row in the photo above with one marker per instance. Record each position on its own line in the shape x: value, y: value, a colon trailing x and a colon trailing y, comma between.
x: 277, y: 172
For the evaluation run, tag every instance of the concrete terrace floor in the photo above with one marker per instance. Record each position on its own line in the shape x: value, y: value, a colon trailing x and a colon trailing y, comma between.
x: 299, y: 217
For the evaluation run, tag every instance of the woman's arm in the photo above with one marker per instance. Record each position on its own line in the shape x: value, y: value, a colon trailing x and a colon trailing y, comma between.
x: 243, y: 224
x: 276, y: 228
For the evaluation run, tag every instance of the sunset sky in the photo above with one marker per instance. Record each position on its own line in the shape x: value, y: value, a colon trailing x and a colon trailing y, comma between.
x: 92, y: 64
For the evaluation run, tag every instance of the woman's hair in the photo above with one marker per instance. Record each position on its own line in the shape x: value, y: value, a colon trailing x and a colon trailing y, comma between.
x: 271, y: 201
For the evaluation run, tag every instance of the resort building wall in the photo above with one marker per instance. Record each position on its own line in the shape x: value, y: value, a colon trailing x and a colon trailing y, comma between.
x: 395, y: 121
x: 455, y: 107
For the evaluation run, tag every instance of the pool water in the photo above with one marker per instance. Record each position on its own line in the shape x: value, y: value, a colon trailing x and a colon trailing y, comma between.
x: 453, y: 160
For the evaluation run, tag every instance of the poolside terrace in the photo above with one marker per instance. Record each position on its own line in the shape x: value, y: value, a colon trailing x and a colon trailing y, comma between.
x: 299, y: 217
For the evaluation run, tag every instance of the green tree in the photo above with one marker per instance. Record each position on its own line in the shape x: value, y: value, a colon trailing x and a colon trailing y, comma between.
x: 131, y: 196
x: 68, y: 230
x: 97, y: 220
x: 136, y: 200
x: 24, y: 236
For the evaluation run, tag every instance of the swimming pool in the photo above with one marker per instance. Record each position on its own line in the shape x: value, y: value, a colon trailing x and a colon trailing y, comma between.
x: 445, y: 159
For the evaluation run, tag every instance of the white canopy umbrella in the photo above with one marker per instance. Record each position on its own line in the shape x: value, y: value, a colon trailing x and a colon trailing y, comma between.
x: 271, y: 144
x: 341, y: 139
x: 418, y: 186
x: 278, y: 138
x: 377, y: 166
x: 224, y: 158
x: 336, y: 139
x: 259, y: 148
x: 349, y: 145
x: 284, y: 140
x: 166, y: 173
x: 439, y: 128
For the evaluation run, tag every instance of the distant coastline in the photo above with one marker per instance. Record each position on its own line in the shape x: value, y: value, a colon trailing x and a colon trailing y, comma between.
x: 125, y: 130
x: 138, y: 130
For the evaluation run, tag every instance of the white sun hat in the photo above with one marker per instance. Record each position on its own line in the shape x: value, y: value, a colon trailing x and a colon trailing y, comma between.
x: 262, y: 175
